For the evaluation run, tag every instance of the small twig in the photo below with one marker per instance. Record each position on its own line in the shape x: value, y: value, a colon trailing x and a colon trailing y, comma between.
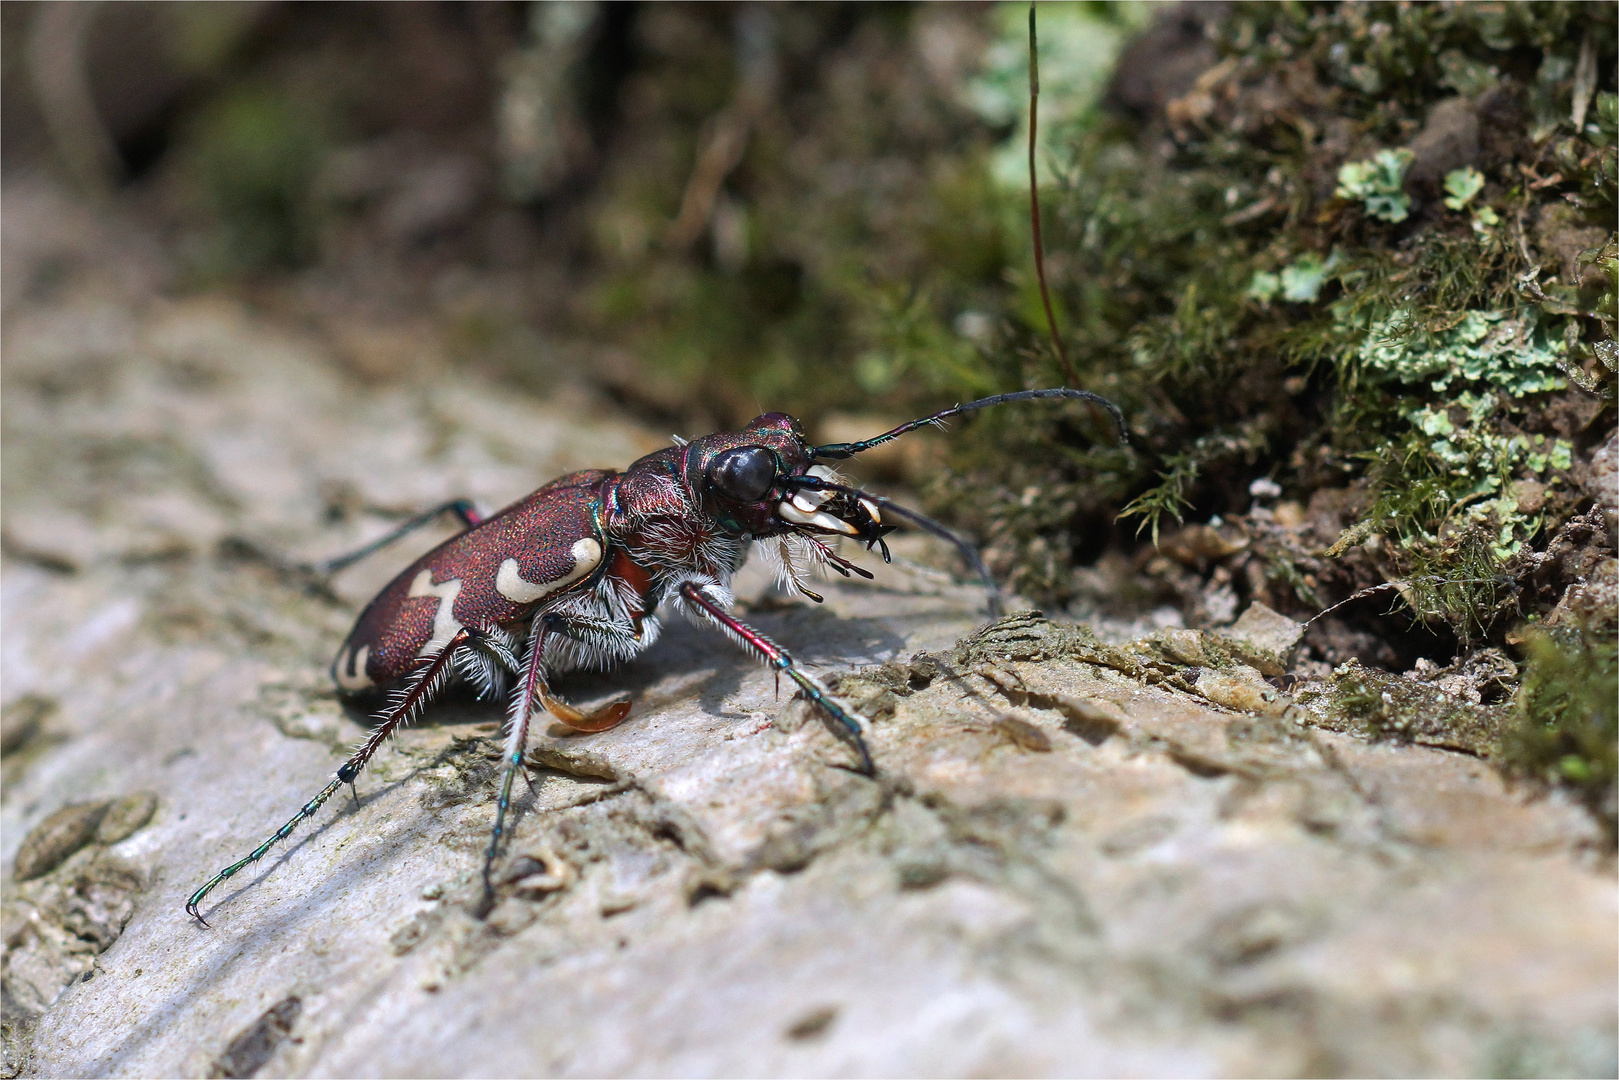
x: 1034, y: 201
x: 725, y: 138
x: 57, y: 44
x: 1585, y: 83
x: 1398, y: 586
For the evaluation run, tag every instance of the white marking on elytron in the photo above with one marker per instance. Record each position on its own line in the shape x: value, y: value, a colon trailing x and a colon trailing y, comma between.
x: 445, y: 624
x: 351, y: 669
x: 587, y: 555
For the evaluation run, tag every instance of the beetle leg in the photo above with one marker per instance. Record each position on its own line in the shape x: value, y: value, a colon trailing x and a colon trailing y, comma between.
x: 529, y: 682
x: 778, y: 658
x: 608, y: 716
x: 406, y: 704
x: 461, y: 508
x: 486, y: 660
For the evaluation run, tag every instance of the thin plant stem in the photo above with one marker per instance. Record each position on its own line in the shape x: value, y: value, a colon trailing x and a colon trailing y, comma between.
x: 1034, y: 202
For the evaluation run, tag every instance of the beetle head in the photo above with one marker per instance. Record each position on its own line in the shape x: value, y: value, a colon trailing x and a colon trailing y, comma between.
x: 762, y: 481
x: 751, y: 482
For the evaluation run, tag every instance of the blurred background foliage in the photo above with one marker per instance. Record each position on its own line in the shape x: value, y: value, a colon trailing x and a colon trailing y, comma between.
x: 1349, y: 269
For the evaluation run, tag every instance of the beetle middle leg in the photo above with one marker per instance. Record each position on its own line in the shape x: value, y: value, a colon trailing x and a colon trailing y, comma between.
x: 532, y: 687
x: 516, y: 746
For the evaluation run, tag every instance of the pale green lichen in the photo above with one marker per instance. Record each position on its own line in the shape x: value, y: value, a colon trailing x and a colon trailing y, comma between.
x: 1301, y: 282
x: 1461, y: 185
x: 1465, y: 75
x: 1264, y: 286
x: 1479, y: 463
x: 1493, y: 349
x: 1379, y: 184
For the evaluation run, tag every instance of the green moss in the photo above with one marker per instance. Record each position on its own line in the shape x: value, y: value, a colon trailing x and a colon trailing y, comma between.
x: 1252, y: 325
x: 1456, y: 578
x: 253, y: 154
x: 1395, y: 707
x: 1567, y: 717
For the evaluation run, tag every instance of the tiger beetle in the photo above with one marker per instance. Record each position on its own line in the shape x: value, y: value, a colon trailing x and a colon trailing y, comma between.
x: 571, y: 576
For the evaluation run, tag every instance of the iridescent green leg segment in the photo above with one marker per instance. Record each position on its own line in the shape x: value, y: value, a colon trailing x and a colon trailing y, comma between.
x: 410, y: 702
x: 534, y: 689
x: 778, y: 658
x: 813, y: 691
x: 516, y: 745
x: 263, y: 849
x: 513, y: 763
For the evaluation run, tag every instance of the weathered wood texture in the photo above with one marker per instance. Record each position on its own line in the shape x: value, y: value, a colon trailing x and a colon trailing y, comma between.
x: 1064, y: 868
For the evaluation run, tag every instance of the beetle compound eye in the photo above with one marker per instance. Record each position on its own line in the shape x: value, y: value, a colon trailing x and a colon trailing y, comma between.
x: 745, y: 473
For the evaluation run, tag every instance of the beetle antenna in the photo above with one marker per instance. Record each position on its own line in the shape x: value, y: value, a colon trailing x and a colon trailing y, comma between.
x: 889, y: 506
x: 842, y: 451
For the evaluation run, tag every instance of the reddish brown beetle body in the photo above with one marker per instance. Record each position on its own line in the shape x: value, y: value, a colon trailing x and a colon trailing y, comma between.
x: 572, y: 576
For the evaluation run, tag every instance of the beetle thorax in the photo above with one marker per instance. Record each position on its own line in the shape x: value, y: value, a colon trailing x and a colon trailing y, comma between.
x: 659, y: 521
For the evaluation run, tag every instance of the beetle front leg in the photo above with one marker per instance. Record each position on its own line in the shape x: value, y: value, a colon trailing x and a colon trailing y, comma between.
x: 776, y: 657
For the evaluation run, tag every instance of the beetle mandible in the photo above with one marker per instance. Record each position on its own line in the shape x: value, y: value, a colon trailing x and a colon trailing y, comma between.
x: 571, y: 576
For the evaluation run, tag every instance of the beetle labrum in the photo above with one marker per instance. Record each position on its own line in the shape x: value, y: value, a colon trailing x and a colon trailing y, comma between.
x: 571, y: 577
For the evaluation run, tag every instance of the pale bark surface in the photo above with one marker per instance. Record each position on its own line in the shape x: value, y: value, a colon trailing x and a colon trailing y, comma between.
x: 1077, y: 859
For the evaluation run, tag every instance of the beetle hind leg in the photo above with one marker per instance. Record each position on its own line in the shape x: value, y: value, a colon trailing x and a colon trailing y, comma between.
x: 463, y: 510
x: 404, y: 705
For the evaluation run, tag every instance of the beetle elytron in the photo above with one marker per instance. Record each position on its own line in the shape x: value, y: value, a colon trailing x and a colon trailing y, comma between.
x: 571, y: 576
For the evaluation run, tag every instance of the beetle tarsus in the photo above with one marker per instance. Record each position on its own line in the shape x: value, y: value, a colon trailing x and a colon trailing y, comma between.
x: 407, y: 704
